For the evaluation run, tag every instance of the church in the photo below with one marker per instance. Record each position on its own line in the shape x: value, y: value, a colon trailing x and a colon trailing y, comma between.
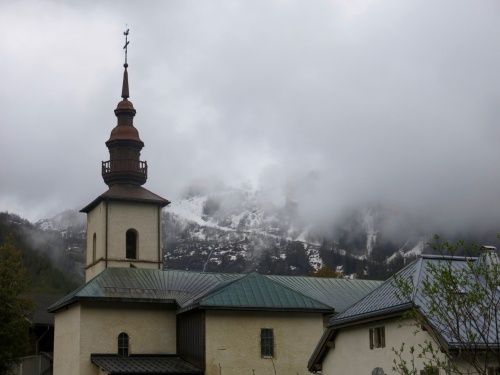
x: 132, y: 316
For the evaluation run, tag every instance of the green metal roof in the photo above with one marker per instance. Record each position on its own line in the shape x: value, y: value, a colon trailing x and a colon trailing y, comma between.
x: 255, y: 291
x: 146, y: 285
x: 188, y: 289
x: 337, y: 293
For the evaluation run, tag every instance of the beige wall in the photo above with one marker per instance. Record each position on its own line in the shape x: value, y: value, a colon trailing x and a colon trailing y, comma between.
x: 233, y: 341
x: 67, y: 341
x: 96, y: 223
x: 122, y: 216
x: 352, y: 353
x: 95, y: 328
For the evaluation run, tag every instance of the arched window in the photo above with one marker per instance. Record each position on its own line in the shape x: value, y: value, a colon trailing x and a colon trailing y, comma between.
x: 131, y: 243
x: 94, y: 251
x: 123, y: 344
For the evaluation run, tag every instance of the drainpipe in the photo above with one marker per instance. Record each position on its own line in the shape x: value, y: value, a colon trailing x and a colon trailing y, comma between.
x: 38, y: 358
x: 106, y: 245
x: 160, y: 260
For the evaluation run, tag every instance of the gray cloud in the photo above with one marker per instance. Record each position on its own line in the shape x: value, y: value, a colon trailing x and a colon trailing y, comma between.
x: 344, y: 102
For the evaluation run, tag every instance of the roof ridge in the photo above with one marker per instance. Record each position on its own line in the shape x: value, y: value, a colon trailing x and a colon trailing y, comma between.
x: 223, y: 286
x: 417, y: 277
x: 293, y: 290
x: 265, y: 279
x: 366, y: 297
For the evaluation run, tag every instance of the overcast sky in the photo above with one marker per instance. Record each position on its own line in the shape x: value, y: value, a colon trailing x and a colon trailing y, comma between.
x: 343, y: 101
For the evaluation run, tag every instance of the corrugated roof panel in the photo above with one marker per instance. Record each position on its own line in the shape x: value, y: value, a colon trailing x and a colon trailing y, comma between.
x: 188, y: 287
x: 144, y: 364
x: 385, y: 299
x: 337, y: 293
x: 257, y: 291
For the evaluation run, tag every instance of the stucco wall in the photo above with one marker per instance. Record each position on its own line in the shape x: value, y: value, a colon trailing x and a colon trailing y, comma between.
x: 352, y: 353
x: 151, y: 329
x: 233, y: 342
x: 96, y: 221
x: 67, y: 341
x: 122, y: 216
x: 141, y: 217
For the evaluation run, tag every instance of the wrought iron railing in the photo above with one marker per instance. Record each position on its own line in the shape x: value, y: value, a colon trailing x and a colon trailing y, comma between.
x: 125, y: 165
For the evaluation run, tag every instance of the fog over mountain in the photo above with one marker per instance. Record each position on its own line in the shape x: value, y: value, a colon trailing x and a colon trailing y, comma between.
x: 335, y: 105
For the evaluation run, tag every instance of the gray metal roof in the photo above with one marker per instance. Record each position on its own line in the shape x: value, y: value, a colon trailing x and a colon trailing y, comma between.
x: 385, y: 298
x: 144, y: 364
x: 41, y: 303
x: 209, y: 290
x: 385, y: 301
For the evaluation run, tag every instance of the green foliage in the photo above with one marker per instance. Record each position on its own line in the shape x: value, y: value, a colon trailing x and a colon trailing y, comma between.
x: 43, y: 276
x: 461, y: 304
x: 16, y: 308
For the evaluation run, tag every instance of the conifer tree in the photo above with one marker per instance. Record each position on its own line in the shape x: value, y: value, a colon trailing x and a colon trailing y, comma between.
x: 16, y: 308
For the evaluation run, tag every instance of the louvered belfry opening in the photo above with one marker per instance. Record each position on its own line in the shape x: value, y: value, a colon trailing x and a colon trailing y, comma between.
x: 124, y: 144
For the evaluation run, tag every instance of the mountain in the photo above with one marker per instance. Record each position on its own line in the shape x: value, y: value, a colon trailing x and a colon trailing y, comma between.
x: 250, y: 229
x: 51, y: 270
x: 243, y: 230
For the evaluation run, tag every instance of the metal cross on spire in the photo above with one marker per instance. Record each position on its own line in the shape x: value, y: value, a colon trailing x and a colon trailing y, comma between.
x: 125, y: 47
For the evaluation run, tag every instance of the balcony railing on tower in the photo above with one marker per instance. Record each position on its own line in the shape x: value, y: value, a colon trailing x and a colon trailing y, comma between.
x: 124, y: 171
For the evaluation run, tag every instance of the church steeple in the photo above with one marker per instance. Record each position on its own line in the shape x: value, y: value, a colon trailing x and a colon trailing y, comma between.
x: 124, y: 224
x: 124, y: 144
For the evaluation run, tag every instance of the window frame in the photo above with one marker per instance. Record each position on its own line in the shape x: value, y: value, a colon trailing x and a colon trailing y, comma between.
x: 267, y: 344
x: 377, y: 337
x: 123, y: 344
x: 94, y: 247
x: 132, y: 252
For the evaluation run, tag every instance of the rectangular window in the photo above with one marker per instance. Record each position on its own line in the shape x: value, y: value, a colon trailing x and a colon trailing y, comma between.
x: 123, y: 342
x: 266, y: 342
x: 377, y: 337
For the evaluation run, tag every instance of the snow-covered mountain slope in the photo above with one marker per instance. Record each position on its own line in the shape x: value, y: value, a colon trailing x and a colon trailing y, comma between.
x: 249, y: 229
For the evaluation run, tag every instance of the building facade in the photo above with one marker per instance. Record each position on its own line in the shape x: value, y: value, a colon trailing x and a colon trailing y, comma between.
x: 465, y: 338
x: 132, y: 316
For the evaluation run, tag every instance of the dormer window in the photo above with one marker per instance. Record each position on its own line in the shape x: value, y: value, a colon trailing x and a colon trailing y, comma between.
x: 131, y: 244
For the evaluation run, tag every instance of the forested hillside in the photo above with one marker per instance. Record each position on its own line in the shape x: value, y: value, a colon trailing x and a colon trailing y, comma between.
x: 45, y: 277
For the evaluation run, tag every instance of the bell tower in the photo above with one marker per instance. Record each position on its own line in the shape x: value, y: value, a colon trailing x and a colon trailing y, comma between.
x: 124, y: 223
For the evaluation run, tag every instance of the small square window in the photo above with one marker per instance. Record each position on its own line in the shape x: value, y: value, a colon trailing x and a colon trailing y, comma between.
x: 266, y: 342
x: 377, y: 337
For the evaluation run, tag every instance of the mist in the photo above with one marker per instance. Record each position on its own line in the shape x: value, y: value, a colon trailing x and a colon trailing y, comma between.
x: 336, y: 104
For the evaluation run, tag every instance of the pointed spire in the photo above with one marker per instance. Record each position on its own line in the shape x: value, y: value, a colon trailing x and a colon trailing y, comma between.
x: 125, y: 94
x: 124, y: 144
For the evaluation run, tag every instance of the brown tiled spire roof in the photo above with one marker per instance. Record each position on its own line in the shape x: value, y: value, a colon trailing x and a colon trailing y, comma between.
x: 124, y: 143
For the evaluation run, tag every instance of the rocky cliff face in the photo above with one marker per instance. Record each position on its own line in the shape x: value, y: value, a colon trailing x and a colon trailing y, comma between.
x: 244, y: 230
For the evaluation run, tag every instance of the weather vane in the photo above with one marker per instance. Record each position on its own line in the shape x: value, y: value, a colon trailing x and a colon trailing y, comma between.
x: 125, y: 47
